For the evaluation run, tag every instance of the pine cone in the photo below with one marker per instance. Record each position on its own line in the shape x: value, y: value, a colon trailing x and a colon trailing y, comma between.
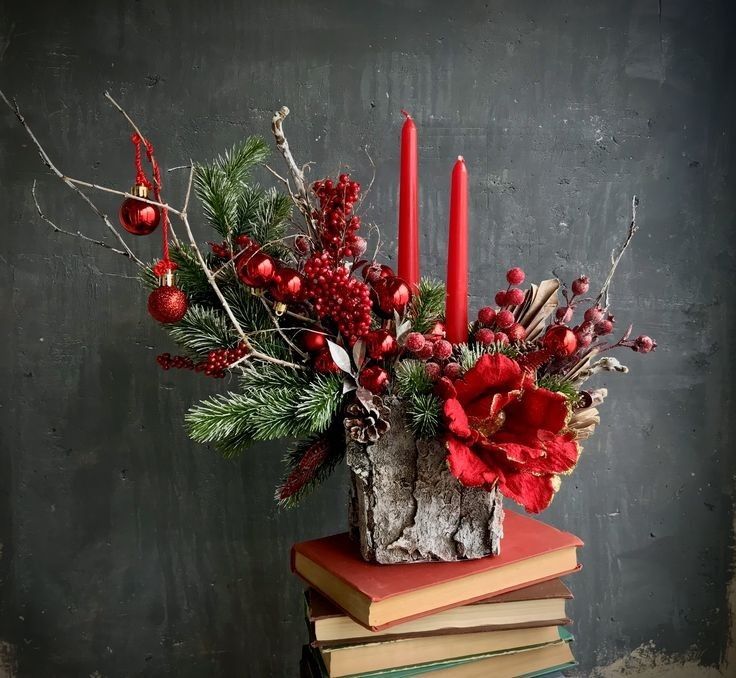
x: 366, y: 422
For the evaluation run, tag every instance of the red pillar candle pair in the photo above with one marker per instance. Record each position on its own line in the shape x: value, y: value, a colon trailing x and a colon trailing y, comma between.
x: 456, y: 305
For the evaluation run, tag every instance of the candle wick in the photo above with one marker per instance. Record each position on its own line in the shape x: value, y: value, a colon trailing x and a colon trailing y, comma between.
x: 406, y: 113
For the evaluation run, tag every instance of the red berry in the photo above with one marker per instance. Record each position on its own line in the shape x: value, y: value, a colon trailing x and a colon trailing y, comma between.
x: 426, y: 352
x: 505, y: 319
x: 415, y: 341
x: 515, y: 297
x: 594, y: 314
x: 516, y: 332
x: 434, y: 371
x: 452, y: 370
x: 644, y: 344
x: 515, y: 276
x: 500, y: 298
x: 486, y: 315
x: 485, y: 336
x: 605, y: 326
x: 580, y: 285
x: 501, y: 338
x: 442, y: 349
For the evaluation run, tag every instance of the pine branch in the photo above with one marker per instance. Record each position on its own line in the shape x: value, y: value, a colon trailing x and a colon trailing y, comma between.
x: 203, y: 329
x: 559, y: 384
x: 220, y: 184
x: 428, y: 305
x: 190, y: 276
x: 219, y: 418
x: 247, y: 309
x: 411, y: 378
x: 271, y: 414
x: 469, y: 355
x: 264, y: 377
x: 321, y: 402
x: 423, y: 414
x: 234, y: 446
x: 308, y: 464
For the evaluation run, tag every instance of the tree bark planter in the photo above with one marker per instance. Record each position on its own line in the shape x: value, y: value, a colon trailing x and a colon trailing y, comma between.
x: 406, y: 506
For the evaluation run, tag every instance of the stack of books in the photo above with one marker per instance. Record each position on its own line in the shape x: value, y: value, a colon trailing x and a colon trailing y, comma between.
x: 499, y: 616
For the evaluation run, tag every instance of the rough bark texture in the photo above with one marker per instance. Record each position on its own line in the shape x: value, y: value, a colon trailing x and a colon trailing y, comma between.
x: 406, y: 506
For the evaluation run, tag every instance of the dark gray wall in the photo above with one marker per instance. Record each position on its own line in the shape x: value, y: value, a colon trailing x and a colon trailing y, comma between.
x: 129, y: 551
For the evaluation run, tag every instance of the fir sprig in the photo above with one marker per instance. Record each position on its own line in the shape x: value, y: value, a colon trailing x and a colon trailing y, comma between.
x: 428, y: 305
x: 321, y: 402
x: 203, y: 329
x: 411, y: 378
x: 423, y: 414
x: 559, y: 384
x: 471, y: 354
x: 219, y: 184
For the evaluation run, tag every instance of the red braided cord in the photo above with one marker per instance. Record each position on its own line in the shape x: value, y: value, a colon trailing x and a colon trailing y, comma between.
x: 165, y: 264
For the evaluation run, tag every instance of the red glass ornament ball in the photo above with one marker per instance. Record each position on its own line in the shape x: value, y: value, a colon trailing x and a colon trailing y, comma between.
x: 391, y: 294
x: 167, y: 304
x: 560, y: 340
x: 374, y: 378
x: 374, y: 272
x: 324, y: 363
x: 381, y: 344
x: 289, y: 285
x: 313, y: 341
x: 256, y: 270
x: 138, y: 217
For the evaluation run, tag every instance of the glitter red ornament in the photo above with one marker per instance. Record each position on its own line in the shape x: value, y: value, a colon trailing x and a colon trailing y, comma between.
x: 442, y: 349
x: 167, y: 303
x: 560, y: 340
x: 486, y: 315
x: 505, y: 319
x: 516, y: 333
x: 415, y: 341
x: 515, y: 296
x: 485, y: 336
x: 374, y: 378
x: 515, y: 276
x: 138, y: 217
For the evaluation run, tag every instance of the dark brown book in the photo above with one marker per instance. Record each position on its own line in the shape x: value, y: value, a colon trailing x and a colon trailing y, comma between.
x: 379, y: 596
x: 537, y: 605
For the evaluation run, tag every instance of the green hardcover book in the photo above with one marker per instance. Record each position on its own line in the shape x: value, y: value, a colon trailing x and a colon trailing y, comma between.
x: 537, y: 660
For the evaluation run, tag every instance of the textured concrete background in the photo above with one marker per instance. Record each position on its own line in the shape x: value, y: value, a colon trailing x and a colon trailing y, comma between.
x: 129, y: 551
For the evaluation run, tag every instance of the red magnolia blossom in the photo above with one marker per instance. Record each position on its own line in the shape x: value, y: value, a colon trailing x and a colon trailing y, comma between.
x: 502, y: 429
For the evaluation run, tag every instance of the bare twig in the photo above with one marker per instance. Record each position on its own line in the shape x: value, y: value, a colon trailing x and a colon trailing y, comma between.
x: 124, y: 194
x: 188, y: 194
x: 47, y: 161
x: 373, y: 178
x: 125, y: 115
x: 301, y: 196
x: 78, y: 234
x: 279, y: 329
x: 633, y: 228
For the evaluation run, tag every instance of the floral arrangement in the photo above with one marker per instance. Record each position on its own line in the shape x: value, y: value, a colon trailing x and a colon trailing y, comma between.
x: 317, y: 341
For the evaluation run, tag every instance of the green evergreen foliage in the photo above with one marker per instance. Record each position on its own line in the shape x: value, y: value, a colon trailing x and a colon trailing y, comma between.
x: 265, y: 376
x: 320, y: 402
x: 220, y: 184
x: 203, y: 329
x: 559, y: 384
x: 428, y: 305
x: 423, y: 414
x: 264, y: 411
x: 411, y: 378
x: 471, y: 354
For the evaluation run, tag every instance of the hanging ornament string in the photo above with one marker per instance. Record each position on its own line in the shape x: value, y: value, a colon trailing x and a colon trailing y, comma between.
x: 165, y: 265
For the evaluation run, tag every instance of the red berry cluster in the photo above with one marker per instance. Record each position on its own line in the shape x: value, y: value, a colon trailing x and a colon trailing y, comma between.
x: 177, y: 362
x: 337, y: 295
x: 436, y: 351
x: 214, y: 365
x: 337, y: 223
x: 500, y: 326
x: 221, y: 250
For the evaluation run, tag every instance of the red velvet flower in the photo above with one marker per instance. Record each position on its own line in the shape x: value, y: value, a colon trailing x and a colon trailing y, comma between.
x: 502, y: 429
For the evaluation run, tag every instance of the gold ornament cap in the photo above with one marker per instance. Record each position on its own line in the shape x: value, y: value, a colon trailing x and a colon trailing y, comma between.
x: 279, y: 308
x: 166, y: 280
x: 139, y: 191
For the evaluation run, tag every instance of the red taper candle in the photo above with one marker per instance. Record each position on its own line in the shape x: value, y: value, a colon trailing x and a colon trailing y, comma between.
x: 409, y: 205
x: 456, y: 305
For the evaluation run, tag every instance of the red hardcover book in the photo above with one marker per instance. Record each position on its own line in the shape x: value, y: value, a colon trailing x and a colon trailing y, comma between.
x: 379, y: 596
